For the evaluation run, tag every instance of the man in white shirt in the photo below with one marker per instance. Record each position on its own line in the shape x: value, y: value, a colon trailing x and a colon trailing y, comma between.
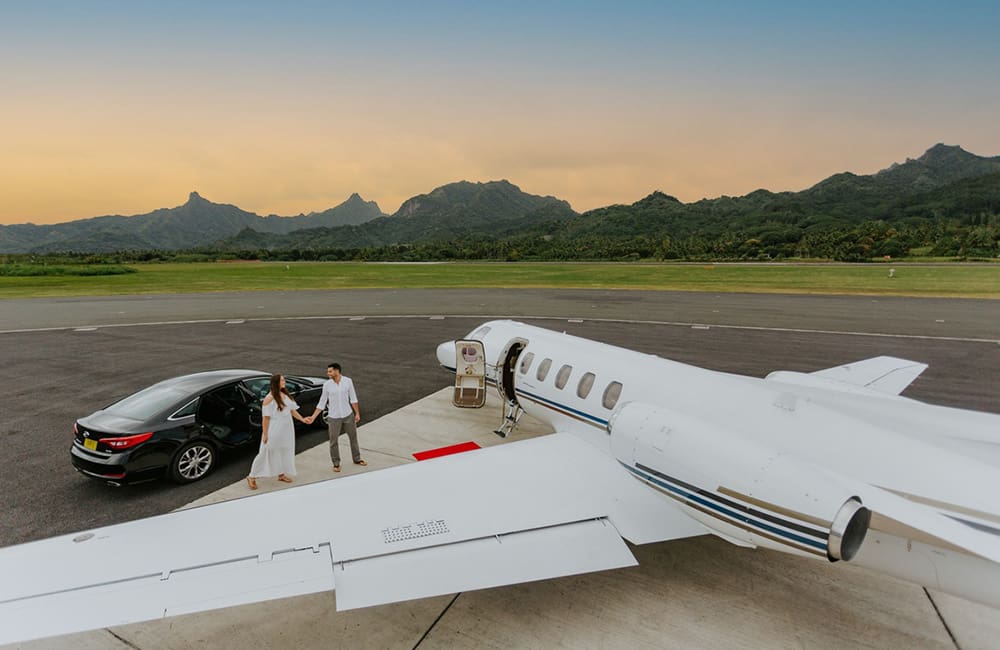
x: 342, y: 413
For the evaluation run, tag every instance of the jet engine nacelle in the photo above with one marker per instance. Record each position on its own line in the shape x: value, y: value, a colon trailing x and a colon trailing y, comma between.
x: 743, y: 491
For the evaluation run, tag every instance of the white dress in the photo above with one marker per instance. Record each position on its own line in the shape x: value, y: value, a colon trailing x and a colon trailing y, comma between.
x: 278, y: 455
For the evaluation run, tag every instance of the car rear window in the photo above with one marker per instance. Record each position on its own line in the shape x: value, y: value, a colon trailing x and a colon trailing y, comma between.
x: 147, y: 402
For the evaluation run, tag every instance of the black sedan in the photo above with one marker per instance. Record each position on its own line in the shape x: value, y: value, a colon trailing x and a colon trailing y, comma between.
x: 179, y: 427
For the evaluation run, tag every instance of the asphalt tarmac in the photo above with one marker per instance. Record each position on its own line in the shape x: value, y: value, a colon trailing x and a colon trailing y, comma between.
x: 876, y: 314
x: 71, y: 356
x: 96, y: 354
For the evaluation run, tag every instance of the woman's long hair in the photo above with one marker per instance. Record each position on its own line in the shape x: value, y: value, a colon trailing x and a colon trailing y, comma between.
x: 277, y: 391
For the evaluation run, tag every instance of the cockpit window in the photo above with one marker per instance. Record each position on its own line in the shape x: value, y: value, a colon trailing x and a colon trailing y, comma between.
x: 563, y: 376
x: 543, y: 369
x: 526, y: 362
x: 586, y: 383
x: 611, y: 395
x: 480, y: 333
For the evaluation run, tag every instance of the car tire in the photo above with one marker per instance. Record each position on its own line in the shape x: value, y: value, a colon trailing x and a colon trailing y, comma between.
x: 193, y: 461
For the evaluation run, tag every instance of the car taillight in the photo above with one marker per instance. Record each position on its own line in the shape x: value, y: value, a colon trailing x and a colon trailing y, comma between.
x: 124, y: 442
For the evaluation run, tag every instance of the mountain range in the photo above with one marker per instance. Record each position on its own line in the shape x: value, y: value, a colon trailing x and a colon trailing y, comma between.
x: 452, y: 212
x: 946, y: 182
x: 195, y: 223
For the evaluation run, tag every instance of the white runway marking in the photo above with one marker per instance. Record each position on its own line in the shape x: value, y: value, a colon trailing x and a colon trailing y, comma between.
x: 626, y: 321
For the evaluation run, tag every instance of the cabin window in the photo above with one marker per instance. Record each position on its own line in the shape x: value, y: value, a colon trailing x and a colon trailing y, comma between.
x: 586, y: 383
x: 526, y: 362
x: 611, y: 395
x: 563, y: 376
x: 543, y: 369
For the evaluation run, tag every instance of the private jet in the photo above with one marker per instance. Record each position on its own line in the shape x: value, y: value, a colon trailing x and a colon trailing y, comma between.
x: 833, y: 465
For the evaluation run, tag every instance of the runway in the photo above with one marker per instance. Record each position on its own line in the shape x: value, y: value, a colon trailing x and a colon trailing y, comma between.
x: 98, y: 354
x: 962, y: 318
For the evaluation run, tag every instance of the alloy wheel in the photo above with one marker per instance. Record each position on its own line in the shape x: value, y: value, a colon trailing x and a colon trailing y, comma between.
x: 194, y: 462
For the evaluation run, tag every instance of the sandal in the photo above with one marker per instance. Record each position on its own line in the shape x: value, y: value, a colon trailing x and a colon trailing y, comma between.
x: 284, y: 479
x: 336, y: 468
x: 360, y: 462
x: 252, y: 482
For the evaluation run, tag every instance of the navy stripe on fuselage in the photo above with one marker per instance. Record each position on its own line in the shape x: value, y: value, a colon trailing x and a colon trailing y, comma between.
x: 711, y: 502
x: 754, y: 512
x: 587, y: 417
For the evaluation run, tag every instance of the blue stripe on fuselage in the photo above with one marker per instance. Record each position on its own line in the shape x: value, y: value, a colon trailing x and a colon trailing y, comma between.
x: 714, y: 506
x: 591, y: 419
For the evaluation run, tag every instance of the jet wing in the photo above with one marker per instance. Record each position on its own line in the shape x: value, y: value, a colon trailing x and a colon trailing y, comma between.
x: 889, y: 375
x: 522, y: 511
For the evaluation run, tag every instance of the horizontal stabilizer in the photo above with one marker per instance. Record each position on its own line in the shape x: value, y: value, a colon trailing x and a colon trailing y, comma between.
x: 568, y: 549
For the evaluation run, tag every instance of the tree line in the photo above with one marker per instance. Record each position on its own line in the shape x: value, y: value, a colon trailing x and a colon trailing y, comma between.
x: 976, y: 237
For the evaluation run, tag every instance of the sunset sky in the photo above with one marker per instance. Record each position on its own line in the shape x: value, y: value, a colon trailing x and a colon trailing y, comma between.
x: 289, y: 107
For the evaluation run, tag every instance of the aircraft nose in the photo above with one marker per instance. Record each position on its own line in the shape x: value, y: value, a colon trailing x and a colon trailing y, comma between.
x: 446, y: 354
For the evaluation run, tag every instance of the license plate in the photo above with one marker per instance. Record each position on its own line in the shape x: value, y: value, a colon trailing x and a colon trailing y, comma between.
x: 90, y: 443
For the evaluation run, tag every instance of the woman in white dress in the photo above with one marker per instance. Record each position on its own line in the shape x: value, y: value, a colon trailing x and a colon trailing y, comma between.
x: 277, y: 442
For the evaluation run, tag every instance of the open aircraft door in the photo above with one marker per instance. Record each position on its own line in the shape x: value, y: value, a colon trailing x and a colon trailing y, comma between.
x: 470, y: 375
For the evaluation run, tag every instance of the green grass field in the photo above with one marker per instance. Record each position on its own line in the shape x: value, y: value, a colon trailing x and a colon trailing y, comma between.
x: 970, y: 281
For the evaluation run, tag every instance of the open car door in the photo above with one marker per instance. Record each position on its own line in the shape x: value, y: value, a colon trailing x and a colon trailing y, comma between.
x: 230, y: 415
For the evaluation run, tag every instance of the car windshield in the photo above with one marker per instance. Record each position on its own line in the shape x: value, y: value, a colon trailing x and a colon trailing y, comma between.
x: 147, y: 402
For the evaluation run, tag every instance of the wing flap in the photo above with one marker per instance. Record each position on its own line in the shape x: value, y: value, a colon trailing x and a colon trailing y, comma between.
x: 524, y: 556
x: 236, y: 582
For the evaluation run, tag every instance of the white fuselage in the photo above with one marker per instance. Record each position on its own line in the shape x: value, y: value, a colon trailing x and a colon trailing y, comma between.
x: 767, y: 462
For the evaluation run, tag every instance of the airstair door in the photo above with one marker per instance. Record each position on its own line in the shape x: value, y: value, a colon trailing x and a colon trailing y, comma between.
x: 470, y: 375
